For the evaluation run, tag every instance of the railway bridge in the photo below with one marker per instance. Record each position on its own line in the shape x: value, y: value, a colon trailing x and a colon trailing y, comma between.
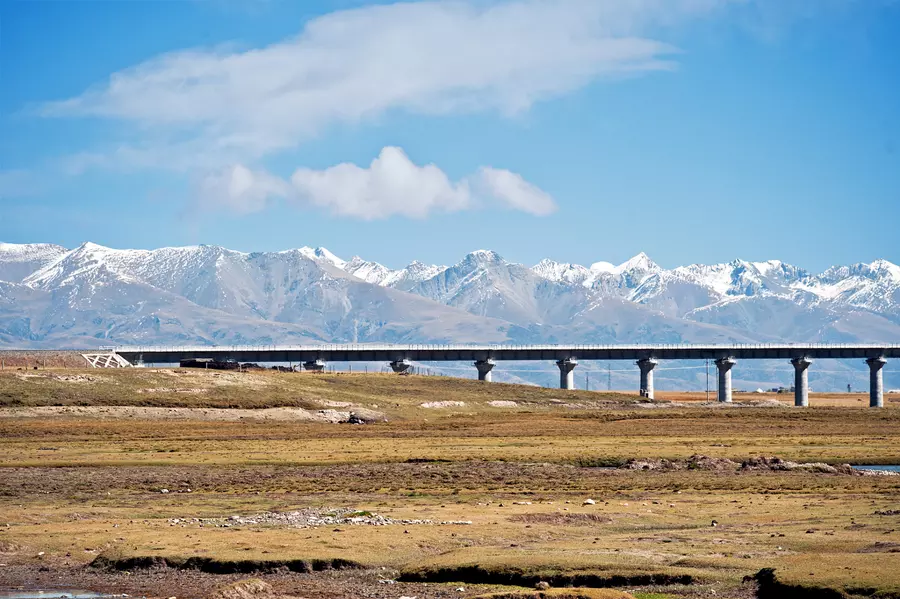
x: 485, y: 357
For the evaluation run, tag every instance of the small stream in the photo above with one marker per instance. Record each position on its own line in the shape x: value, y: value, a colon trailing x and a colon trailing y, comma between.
x: 888, y: 467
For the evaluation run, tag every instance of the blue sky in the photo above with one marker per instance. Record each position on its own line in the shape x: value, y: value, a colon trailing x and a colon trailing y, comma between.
x: 580, y: 130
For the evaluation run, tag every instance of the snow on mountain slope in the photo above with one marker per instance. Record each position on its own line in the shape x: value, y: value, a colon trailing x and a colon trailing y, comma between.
x: 209, y: 276
x: 321, y: 254
x: 478, y: 284
x: 737, y: 278
x: 603, y: 275
x: 88, y: 265
x: 378, y: 274
x: 485, y: 284
x: 370, y: 272
x: 224, y: 279
x: 638, y: 264
x: 640, y: 279
x: 414, y: 273
x: 94, y: 295
x: 295, y: 287
x: 559, y: 272
x: 18, y: 261
x: 699, y: 291
x: 874, y: 287
x: 673, y: 294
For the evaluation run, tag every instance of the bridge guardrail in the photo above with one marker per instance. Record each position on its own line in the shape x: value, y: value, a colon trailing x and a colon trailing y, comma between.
x: 498, y: 347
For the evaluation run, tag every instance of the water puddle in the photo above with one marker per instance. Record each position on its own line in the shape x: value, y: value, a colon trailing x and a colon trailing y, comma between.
x: 888, y: 468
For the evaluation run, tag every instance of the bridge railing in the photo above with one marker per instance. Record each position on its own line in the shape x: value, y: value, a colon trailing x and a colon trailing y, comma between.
x: 355, y: 347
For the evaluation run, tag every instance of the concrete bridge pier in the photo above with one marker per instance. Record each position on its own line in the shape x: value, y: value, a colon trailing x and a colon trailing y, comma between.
x: 314, y: 365
x: 567, y: 373
x: 647, y: 365
x: 484, y: 369
x: 876, y: 382
x: 400, y: 366
x: 801, y: 381
x: 725, y: 365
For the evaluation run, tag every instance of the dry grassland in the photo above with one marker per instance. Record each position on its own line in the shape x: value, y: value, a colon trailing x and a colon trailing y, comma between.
x: 77, y: 486
x: 856, y: 399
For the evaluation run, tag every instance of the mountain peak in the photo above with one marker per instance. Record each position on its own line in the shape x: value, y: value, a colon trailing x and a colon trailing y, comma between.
x: 768, y: 266
x: 548, y: 263
x: 641, y: 262
x: 11, y: 249
x: 561, y: 272
x: 419, y: 271
x: 370, y: 272
x: 357, y: 261
x: 90, y: 246
x: 322, y: 254
x: 19, y: 260
x: 889, y: 268
x: 483, y: 256
x: 416, y: 266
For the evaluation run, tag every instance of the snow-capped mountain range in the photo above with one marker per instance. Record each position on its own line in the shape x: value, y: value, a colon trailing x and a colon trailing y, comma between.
x: 51, y: 296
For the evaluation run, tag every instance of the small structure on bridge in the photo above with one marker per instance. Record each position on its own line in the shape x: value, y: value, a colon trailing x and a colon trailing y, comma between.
x: 106, y: 360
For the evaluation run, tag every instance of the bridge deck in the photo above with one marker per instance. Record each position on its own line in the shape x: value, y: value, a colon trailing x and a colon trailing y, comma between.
x: 446, y: 353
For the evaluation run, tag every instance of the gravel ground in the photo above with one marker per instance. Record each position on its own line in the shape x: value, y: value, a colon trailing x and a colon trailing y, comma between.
x: 308, y: 518
x: 166, y: 582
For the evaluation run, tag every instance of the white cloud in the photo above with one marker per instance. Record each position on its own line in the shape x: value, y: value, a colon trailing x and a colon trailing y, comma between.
x: 199, y: 106
x: 514, y: 191
x: 239, y: 189
x: 394, y: 185
x: 391, y: 185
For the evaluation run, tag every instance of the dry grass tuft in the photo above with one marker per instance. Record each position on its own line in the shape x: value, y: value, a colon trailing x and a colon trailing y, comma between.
x: 244, y: 589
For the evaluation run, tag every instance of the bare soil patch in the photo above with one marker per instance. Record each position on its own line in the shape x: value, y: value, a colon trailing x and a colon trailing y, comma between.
x: 562, y: 519
x: 197, y: 414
